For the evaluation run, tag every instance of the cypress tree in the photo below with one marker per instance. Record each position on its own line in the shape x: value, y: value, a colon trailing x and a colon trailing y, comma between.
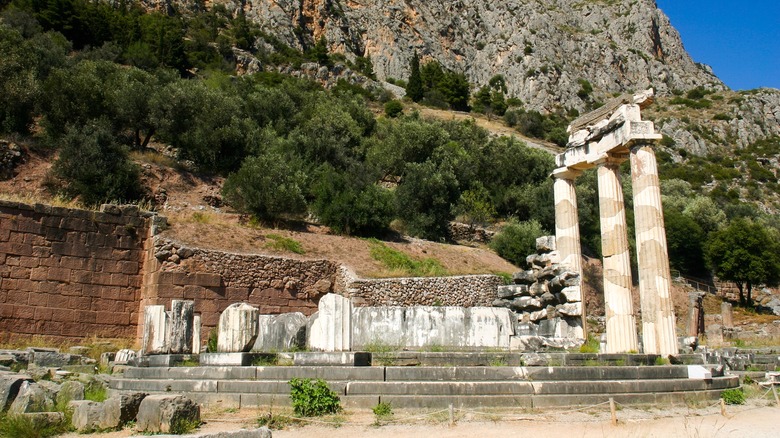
x: 414, y: 87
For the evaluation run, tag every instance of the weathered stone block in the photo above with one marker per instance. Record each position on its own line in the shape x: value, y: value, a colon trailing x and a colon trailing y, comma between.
x: 10, y: 384
x: 123, y: 356
x: 524, y: 277
x: 155, y: 331
x: 86, y: 415
x: 32, y: 397
x: 181, y: 327
x: 514, y: 290
x: 120, y: 409
x: 572, y: 294
x: 281, y: 332
x: 545, y: 244
x: 238, y: 326
x: 69, y: 391
x: 162, y: 413
x: 570, y: 309
x: 526, y: 303
x: 330, y: 329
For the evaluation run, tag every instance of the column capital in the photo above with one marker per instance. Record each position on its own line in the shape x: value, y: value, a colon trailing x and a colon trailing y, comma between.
x: 611, y: 158
x: 565, y: 173
x: 639, y: 144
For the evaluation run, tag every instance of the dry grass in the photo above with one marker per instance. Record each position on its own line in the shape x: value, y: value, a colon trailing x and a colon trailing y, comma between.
x: 96, y: 345
x: 153, y: 157
x: 33, y: 198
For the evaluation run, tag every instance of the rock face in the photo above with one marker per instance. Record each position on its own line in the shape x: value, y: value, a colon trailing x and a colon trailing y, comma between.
x: 542, y: 48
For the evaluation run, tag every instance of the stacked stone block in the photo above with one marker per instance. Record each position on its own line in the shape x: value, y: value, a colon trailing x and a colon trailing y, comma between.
x: 546, y: 298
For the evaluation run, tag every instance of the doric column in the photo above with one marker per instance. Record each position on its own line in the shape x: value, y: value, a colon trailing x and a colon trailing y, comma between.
x: 658, y: 323
x: 621, y: 322
x: 567, y: 227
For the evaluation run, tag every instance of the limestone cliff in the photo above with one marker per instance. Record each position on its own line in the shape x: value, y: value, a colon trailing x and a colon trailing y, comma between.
x: 544, y: 49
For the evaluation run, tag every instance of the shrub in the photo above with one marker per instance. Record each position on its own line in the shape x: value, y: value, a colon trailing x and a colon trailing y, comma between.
x: 394, y: 108
x: 734, y: 396
x: 311, y: 398
x: 94, y: 167
x: 425, y: 198
x: 382, y: 411
x: 267, y: 186
x: 517, y: 240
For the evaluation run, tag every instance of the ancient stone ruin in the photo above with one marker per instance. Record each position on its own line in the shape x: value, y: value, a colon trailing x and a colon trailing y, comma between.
x: 547, y: 300
x: 604, y: 139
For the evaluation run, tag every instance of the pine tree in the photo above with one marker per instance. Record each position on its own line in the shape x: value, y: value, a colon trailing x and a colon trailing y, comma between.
x: 414, y: 87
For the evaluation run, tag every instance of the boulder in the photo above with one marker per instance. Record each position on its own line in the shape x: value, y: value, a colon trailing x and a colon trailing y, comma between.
x: 86, y: 415
x: 164, y: 413
x: 69, y: 391
x: 512, y: 290
x: 120, y: 409
x: 32, y: 398
x: 238, y: 327
x: 10, y: 384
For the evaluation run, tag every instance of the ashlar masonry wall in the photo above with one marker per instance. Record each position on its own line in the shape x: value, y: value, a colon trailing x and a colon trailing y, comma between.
x: 68, y: 273
x: 71, y: 274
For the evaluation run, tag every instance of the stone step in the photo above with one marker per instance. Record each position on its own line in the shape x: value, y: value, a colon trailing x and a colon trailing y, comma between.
x: 259, y: 373
x: 424, y: 388
x: 335, y: 373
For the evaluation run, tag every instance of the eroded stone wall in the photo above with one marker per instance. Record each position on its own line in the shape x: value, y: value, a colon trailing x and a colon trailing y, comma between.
x: 68, y: 273
x: 464, y: 290
x: 216, y: 279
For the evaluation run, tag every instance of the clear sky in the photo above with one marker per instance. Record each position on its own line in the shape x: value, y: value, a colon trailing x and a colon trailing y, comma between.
x: 740, y: 40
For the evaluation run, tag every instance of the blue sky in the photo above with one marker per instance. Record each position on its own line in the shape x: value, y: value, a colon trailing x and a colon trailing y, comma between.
x: 740, y: 40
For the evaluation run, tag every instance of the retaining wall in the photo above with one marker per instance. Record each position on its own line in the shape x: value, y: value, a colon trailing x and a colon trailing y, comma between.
x: 70, y: 273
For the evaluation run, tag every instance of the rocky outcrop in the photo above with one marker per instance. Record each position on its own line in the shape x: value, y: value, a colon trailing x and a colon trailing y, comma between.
x: 542, y: 48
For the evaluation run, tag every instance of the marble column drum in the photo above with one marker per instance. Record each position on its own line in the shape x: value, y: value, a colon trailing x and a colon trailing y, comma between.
x: 567, y: 228
x: 658, y: 322
x: 621, y: 321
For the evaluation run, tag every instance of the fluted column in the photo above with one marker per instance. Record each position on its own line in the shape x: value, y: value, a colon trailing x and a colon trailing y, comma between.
x: 567, y: 227
x: 621, y: 322
x: 658, y: 322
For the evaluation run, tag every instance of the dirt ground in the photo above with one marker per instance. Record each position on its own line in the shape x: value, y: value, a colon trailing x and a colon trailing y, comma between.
x: 757, y: 419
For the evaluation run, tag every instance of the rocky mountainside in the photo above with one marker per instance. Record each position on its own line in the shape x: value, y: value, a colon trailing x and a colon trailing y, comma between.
x: 554, y: 54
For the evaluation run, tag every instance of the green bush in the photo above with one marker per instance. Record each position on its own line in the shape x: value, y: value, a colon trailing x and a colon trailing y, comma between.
x: 425, y: 198
x: 268, y: 186
x: 394, y: 108
x: 282, y: 243
x: 517, y: 240
x: 382, y: 411
x: 94, y: 167
x: 734, y: 396
x: 312, y: 398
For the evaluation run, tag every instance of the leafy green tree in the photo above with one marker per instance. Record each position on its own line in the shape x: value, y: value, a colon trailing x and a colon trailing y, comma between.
x: 517, y: 240
x: 319, y: 52
x: 394, y: 108
x: 425, y: 199
x: 78, y: 94
x: 270, y: 186
x: 685, y: 241
x: 475, y: 206
x: 414, y: 86
x: 350, y: 202
x: 407, y: 139
x: 94, y: 167
x: 132, y: 100
x: 746, y: 253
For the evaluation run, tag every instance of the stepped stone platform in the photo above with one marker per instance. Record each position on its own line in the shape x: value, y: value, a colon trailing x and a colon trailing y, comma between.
x: 629, y: 380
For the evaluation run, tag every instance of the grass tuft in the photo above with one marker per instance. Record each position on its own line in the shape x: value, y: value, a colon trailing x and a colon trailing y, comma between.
x: 281, y: 243
x: 402, y: 264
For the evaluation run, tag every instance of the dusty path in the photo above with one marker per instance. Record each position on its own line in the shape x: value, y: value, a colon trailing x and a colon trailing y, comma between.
x: 757, y: 419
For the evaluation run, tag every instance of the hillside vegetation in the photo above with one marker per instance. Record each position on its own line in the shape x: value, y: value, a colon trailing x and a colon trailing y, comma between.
x: 94, y: 82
